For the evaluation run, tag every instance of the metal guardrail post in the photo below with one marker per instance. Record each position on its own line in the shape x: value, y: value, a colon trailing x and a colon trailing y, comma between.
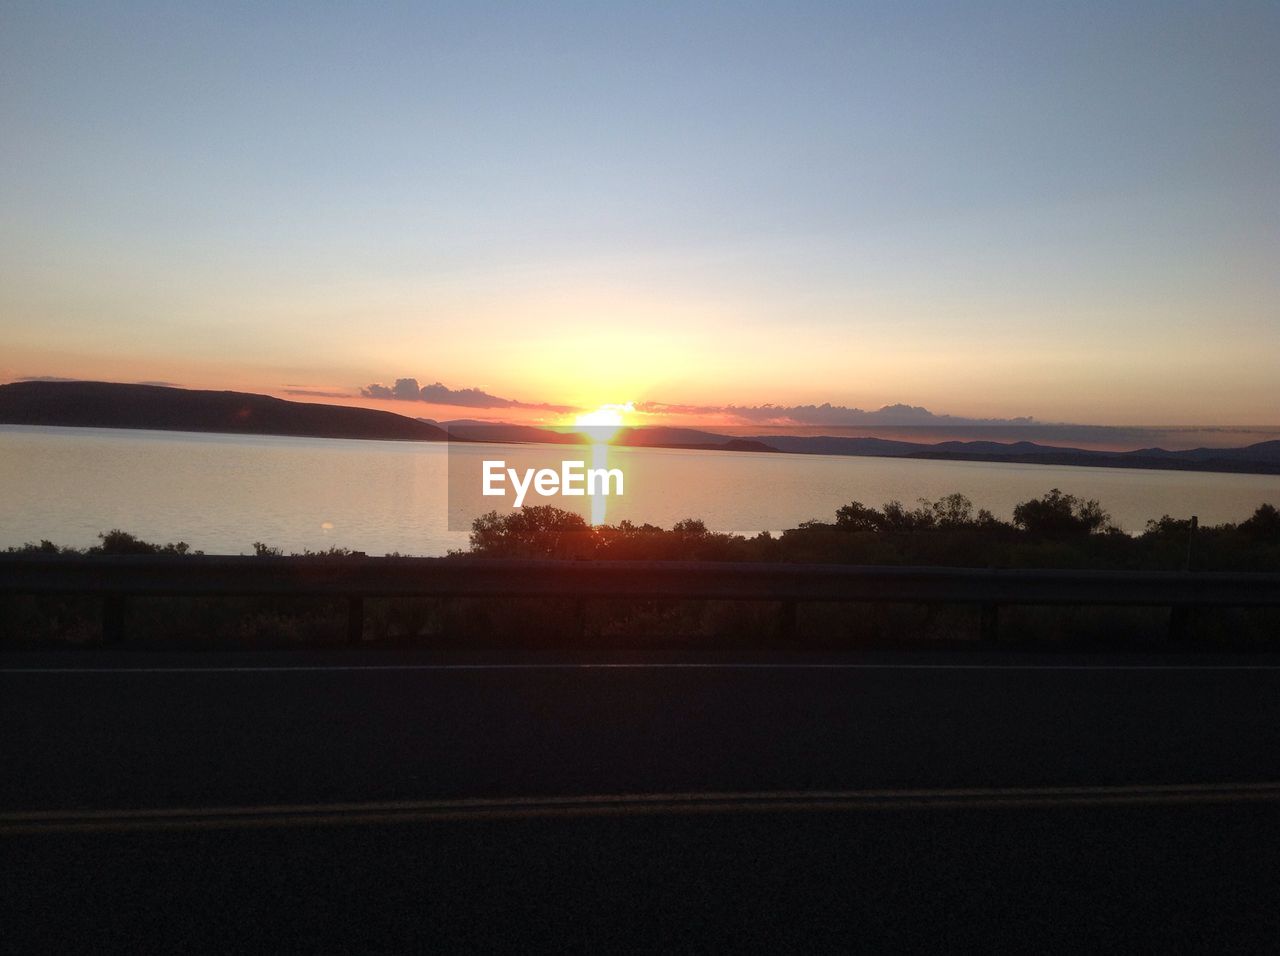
x: 787, y: 619
x: 445, y: 616
x: 118, y: 580
x: 989, y: 622
x: 1180, y: 617
x: 355, y: 620
x: 115, y: 617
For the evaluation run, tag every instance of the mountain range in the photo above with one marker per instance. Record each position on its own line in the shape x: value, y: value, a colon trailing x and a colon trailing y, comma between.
x: 117, y: 405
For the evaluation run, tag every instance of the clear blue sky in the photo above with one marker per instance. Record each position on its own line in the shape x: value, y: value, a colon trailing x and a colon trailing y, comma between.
x: 1063, y: 210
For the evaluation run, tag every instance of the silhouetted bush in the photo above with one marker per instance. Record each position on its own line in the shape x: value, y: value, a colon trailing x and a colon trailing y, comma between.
x: 116, y: 541
x: 538, y: 531
x: 1059, y: 515
x: 1054, y: 531
x: 44, y: 547
x: 1264, y: 526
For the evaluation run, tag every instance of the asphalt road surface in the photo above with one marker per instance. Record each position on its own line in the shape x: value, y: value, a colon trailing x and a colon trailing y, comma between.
x: 389, y: 802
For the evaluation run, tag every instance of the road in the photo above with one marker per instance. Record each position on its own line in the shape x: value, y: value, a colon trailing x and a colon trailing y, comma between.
x: 361, y: 801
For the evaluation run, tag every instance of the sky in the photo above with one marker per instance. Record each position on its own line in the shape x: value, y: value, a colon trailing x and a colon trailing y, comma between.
x: 1069, y: 212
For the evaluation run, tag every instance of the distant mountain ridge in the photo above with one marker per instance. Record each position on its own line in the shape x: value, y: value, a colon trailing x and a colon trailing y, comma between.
x: 1261, y: 458
x: 115, y: 405
x: 649, y: 436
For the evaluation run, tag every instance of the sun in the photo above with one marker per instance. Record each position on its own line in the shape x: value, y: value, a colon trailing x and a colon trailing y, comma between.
x: 604, y: 423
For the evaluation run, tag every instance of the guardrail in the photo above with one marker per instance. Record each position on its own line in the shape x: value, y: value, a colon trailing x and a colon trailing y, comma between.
x: 117, y: 578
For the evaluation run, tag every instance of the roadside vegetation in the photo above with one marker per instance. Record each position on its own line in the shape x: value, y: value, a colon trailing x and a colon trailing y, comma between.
x: 1057, y: 530
x: 1054, y: 531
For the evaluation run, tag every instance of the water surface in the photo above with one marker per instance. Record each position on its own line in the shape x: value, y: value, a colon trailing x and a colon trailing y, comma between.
x: 221, y: 493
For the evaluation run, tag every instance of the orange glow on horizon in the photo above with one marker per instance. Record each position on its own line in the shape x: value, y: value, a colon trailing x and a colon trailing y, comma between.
x: 603, y: 424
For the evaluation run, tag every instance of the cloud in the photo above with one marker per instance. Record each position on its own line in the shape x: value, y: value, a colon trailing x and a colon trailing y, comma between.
x: 826, y: 414
x: 437, y: 393
x: 162, y: 384
x: 912, y: 422
x: 316, y: 393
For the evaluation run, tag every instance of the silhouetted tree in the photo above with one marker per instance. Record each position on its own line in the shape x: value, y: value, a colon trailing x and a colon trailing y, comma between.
x: 855, y: 516
x: 540, y: 531
x: 1168, y: 527
x: 116, y: 541
x: 1264, y: 525
x: 44, y: 547
x: 1059, y: 515
x: 690, y: 529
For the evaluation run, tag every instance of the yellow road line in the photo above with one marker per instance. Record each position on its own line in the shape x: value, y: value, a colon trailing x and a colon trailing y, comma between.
x: 631, y: 804
x: 625, y: 666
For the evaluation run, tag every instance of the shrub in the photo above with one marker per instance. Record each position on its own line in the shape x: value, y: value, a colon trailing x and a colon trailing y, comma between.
x: 1059, y: 515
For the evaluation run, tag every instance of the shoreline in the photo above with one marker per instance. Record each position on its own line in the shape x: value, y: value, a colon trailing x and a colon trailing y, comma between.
x: 1086, y: 460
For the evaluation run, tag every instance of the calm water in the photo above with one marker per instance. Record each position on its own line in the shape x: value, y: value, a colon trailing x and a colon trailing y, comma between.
x: 221, y: 493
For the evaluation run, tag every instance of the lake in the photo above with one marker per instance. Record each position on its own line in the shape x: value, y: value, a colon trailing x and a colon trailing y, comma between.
x: 221, y: 493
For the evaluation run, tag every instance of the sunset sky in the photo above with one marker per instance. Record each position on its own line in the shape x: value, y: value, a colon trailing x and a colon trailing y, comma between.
x: 1071, y: 213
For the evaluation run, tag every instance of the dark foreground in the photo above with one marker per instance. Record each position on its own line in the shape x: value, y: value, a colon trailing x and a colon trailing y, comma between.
x: 222, y: 803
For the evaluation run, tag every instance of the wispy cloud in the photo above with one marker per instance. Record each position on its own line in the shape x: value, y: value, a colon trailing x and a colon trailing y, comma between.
x: 316, y: 393
x: 437, y: 393
x: 910, y: 422
x: 824, y: 414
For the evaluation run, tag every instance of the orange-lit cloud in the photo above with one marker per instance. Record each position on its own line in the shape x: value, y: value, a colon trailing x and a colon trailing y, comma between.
x: 408, y: 390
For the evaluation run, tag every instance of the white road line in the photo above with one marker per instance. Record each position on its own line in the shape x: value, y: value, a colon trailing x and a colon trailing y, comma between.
x: 340, y: 668
x: 26, y: 823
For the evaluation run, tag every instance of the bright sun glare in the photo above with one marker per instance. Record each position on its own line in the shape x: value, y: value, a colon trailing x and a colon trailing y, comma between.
x: 604, y: 423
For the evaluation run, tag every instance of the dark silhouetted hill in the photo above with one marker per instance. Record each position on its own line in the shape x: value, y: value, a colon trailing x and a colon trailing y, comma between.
x: 115, y: 405
x: 648, y: 436
x: 1262, y: 458
x: 839, y: 445
x: 470, y: 430
x: 665, y: 436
